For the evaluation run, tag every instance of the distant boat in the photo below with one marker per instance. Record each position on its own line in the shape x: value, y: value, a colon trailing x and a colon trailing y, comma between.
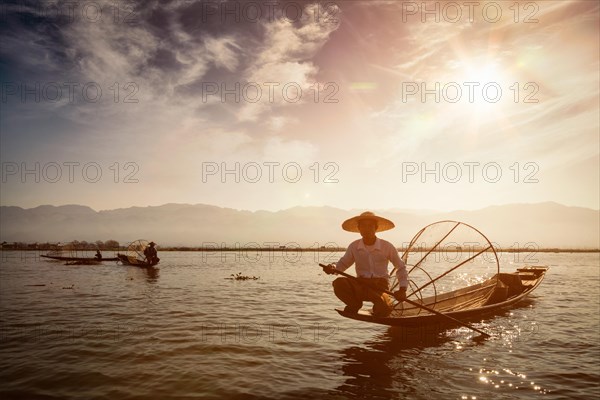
x: 80, y: 259
x: 128, y: 260
x: 70, y: 253
x: 136, y: 255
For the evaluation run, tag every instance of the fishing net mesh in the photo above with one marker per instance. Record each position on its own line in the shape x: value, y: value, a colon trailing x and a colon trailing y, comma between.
x: 445, y: 256
x: 135, y: 251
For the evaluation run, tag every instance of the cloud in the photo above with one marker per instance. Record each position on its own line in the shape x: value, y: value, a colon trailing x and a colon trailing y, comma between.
x: 284, y: 58
x: 278, y: 149
x: 168, y: 56
x: 223, y: 52
x: 277, y: 123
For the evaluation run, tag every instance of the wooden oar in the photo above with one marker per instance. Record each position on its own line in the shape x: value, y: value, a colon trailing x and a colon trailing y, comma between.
x: 431, y: 310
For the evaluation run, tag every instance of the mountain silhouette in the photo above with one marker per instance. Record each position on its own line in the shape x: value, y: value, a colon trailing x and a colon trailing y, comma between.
x: 548, y: 225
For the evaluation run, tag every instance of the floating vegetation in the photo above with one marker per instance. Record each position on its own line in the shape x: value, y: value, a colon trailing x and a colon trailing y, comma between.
x: 240, y: 277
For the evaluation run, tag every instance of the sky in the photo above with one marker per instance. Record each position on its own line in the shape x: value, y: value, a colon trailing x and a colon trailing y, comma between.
x: 269, y: 105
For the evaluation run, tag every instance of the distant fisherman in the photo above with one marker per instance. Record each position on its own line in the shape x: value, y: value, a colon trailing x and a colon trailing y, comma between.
x: 151, y: 254
x: 371, y: 256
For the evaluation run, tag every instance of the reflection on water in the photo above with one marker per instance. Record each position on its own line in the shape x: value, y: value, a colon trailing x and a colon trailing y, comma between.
x: 385, y: 365
x: 368, y: 372
x: 151, y: 274
x: 143, y: 282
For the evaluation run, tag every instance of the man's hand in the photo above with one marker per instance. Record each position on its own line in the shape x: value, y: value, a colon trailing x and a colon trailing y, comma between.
x: 329, y: 269
x: 400, y: 294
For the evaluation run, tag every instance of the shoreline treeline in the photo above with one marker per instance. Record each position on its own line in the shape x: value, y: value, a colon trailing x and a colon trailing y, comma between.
x: 113, y: 245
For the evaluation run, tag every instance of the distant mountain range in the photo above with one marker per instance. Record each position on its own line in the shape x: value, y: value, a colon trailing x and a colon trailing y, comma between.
x: 545, y: 224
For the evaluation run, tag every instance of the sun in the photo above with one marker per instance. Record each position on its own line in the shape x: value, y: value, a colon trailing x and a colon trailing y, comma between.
x: 488, y: 73
x: 484, y: 85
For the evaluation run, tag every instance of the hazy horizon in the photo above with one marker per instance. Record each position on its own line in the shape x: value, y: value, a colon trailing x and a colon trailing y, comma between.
x: 356, y: 209
x: 545, y: 225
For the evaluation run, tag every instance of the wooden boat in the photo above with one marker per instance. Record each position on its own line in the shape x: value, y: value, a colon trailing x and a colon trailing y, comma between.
x: 80, y: 259
x: 440, y: 256
x: 128, y: 260
x: 74, y: 255
x: 135, y: 255
x: 501, y: 291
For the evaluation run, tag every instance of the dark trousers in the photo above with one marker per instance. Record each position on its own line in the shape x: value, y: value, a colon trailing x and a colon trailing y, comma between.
x: 353, y: 293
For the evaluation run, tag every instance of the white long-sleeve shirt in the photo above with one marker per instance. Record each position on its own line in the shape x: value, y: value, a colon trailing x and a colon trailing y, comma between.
x: 372, y: 261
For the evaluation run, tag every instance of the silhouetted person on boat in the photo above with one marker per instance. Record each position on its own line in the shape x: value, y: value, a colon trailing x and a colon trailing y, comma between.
x: 371, y: 256
x: 98, y: 255
x: 151, y: 254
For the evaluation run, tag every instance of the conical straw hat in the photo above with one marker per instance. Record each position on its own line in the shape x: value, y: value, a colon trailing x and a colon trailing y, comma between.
x: 383, y: 224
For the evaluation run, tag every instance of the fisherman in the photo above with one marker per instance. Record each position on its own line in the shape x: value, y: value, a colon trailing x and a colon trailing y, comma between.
x: 151, y: 254
x: 98, y: 255
x: 371, y: 255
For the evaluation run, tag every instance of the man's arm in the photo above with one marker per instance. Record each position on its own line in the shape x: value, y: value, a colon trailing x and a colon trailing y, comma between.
x: 401, y: 274
x: 343, y: 264
x: 346, y: 261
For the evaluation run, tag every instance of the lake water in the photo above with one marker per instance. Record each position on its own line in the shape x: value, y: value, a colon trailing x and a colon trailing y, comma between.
x: 116, y: 332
